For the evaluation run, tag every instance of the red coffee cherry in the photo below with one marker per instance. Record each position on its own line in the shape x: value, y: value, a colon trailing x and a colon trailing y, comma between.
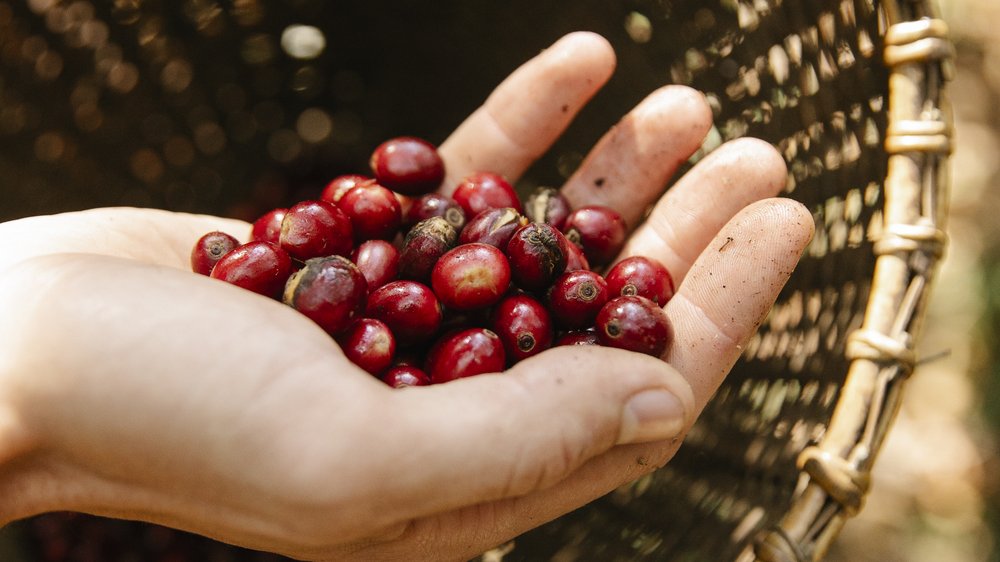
x: 209, y: 249
x: 471, y: 276
x: 410, y: 309
x: 378, y: 261
x: 547, y: 205
x: 435, y: 205
x: 537, y: 254
x: 340, y: 185
x: 523, y: 325
x: 641, y: 276
x: 261, y: 267
x: 493, y: 226
x: 374, y: 212
x: 405, y: 375
x: 369, y: 344
x: 268, y: 227
x: 313, y: 229
x: 408, y: 165
x: 635, y: 324
x: 423, y: 247
x: 600, y: 231
x: 464, y: 354
x: 576, y: 298
x: 330, y: 291
x: 575, y: 260
x: 485, y: 190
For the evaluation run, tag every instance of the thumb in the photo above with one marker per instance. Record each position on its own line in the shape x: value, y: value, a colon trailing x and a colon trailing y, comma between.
x: 496, y: 436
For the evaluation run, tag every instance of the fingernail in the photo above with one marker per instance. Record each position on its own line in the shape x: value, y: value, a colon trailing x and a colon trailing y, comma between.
x: 651, y: 415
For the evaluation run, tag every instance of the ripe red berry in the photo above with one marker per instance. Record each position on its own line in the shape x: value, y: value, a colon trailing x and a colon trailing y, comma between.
x: 374, y: 212
x: 369, y: 344
x: 209, y: 249
x: 600, y: 231
x: 340, y: 185
x: 523, y: 325
x: 575, y: 260
x: 537, y: 253
x: 378, y: 261
x: 435, y: 205
x: 485, y: 190
x: 464, y: 354
x: 576, y: 297
x: 405, y: 375
x: 408, y: 165
x: 635, y: 324
x: 261, y: 267
x: 547, y: 205
x: 579, y: 337
x: 313, y: 229
x: 331, y: 291
x: 493, y: 226
x: 641, y: 276
x: 423, y: 246
x: 410, y: 309
x: 268, y: 227
x: 471, y: 276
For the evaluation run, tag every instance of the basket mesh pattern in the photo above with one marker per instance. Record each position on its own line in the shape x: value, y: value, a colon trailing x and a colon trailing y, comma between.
x: 235, y: 107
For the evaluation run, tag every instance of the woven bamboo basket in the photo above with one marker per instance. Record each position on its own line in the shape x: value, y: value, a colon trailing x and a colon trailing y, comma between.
x: 198, y: 106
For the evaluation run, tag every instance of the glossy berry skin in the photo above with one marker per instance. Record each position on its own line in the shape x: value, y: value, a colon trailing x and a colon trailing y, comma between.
x: 435, y: 205
x: 330, y: 291
x: 261, y: 267
x: 268, y: 227
x: 313, y: 229
x: 405, y: 375
x: 600, y: 231
x: 408, y: 165
x: 378, y: 261
x: 374, y: 211
x: 423, y: 246
x: 369, y: 344
x: 493, y: 226
x: 471, y: 276
x: 576, y: 297
x: 547, y: 205
x: 485, y: 190
x: 464, y: 354
x: 209, y: 249
x: 340, y: 185
x: 640, y: 276
x: 579, y: 337
x: 537, y: 254
x: 523, y: 325
x: 635, y: 324
x: 410, y: 309
x: 575, y: 260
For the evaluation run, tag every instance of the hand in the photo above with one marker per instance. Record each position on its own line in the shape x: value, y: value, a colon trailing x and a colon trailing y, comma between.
x: 132, y: 388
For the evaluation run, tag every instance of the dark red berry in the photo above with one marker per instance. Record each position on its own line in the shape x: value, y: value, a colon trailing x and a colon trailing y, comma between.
x: 547, y: 205
x: 579, y: 337
x: 467, y: 353
x: 485, y: 190
x: 378, y: 261
x: 331, y: 291
x: 575, y: 260
x: 600, y: 231
x: 209, y: 249
x: 641, y: 276
x: 340, y: 185
x: 471, y: 276
x: 410, y: 309
x: 523, y: 325
x: 313, y: 229
x: 261, y: 267
x: 408, y: 165
x: 268, y: 227
x: 374, y: 212
x: 405, y: 375
x: 423, y: 246
x: 537, y: 254
x: 435, y: 205
x: 635, y: 324
x: 493, y: 226
x: 369, y: 344
x: 576, y: 298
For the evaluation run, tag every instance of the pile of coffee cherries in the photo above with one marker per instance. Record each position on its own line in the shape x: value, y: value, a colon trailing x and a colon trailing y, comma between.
x: 419, y: 288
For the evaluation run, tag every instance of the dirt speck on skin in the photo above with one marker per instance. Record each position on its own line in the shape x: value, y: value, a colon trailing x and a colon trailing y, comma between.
x: 599, y: 182
x: 641, y: 461
x: 729, y: 240
x: 559, y: 380
x: 565, y: 108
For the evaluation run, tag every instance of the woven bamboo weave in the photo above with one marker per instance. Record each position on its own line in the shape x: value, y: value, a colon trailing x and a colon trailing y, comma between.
x: 206, y: 106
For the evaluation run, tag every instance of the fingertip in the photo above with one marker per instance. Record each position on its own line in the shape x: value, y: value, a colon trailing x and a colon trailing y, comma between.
x: 755, y: 162
x: 587, y: 49
x: 796, y: 217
